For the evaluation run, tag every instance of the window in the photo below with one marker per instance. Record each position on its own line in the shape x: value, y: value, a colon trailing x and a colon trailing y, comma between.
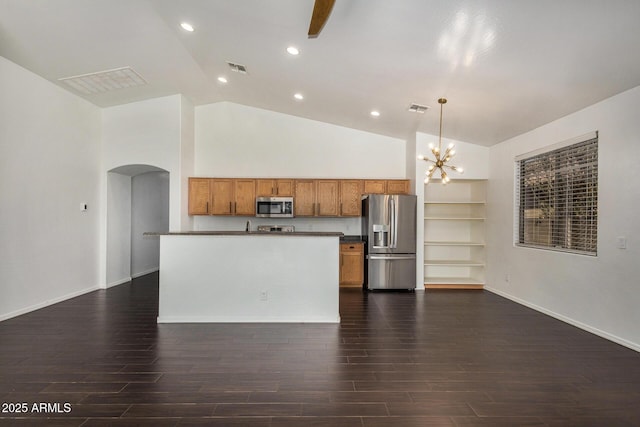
x: 557, y: 197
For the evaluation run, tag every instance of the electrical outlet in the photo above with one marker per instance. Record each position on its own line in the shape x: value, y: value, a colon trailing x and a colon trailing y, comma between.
x: 264, y: 295
x: 621, y: 242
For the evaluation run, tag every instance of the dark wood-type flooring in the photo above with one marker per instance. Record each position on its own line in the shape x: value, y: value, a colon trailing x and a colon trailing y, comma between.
x: 397, y: 359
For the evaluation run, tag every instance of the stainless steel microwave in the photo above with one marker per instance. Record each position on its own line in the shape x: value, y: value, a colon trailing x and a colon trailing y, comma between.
x: 274, y: 207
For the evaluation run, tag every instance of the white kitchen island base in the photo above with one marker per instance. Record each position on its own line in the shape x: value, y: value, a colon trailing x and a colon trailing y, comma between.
x: 249, y: 277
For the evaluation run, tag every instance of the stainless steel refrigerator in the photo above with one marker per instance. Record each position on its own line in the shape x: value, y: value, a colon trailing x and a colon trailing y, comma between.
x: 389, y: 229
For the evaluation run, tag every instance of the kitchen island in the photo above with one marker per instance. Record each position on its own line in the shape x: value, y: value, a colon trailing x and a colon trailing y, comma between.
x: 227, y: 276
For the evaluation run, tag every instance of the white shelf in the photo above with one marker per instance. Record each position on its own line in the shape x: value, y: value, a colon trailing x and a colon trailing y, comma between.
x: 454, y: 224
x: 453, y: 263
x: 444, y: 243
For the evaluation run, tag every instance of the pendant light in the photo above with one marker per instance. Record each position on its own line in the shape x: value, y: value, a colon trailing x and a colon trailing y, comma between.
x: 441, y: 159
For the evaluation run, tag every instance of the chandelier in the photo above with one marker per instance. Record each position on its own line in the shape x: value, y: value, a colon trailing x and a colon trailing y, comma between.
x: 441, y: 159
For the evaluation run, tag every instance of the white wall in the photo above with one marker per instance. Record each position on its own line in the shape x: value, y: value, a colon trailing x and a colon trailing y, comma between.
x: 237, y: 141
x: 600, y: 293
x: 146, y: 133
x: 119, y: 229
x: 149, y: 212
x: 187, y: 159
x: 49, y: 162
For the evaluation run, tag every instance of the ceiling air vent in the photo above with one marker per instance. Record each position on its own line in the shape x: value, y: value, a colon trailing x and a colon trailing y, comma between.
x: 237, y: 68
x: 417, y: 108
x: 104, y: 81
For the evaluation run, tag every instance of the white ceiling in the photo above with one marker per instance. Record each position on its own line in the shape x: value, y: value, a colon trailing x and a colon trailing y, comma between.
x: 506, y: 66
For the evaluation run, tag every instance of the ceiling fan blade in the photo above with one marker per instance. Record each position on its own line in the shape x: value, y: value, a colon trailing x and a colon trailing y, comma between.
x: 321, y: 12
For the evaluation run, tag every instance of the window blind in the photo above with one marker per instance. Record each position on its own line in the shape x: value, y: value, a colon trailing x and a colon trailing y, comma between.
x: 557, y: 198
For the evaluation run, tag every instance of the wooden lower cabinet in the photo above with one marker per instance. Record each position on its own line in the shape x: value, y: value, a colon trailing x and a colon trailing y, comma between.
x: 351, y: 264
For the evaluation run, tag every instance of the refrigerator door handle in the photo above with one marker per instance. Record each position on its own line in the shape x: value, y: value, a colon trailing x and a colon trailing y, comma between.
x: 392, y: 222
x: 391, y: 258
x: 396, y: 207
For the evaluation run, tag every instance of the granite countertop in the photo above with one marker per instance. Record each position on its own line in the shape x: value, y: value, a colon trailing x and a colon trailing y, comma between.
x: 247, y: 233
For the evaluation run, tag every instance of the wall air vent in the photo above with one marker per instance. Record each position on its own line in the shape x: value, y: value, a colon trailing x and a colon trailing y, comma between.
x: 237, y: 68
x: 417, y: 108
x: 104, y: 81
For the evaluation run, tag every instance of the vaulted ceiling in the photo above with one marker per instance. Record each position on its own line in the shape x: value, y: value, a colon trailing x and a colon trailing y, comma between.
x: 505, y: 66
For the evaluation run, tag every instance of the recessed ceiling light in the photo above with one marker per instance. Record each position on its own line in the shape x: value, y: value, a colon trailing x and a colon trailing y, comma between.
x: 292, y: 50
x: 375, y: 113
x: 187, y: 27
x: 222, y: 79
x: 298, y: 96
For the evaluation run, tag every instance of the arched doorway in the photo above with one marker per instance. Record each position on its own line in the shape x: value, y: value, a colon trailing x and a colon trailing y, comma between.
x: 137, y: 202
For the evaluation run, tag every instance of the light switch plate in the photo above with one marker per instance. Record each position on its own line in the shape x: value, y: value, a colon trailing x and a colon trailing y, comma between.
x: 621, y: 242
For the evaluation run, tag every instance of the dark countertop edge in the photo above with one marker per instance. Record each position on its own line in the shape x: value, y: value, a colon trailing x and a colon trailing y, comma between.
x: 351, y: 239
x: 245, y: 233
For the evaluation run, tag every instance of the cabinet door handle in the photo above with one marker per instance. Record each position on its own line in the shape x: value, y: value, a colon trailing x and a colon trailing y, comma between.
x: 341, y: 260
x: 207, y: 207
x: 234, y: 207
x: 230, y: 207
x: 340, y: 208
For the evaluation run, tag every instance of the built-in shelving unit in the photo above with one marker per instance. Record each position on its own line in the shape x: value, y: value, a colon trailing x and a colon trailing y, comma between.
x: 454, y: 235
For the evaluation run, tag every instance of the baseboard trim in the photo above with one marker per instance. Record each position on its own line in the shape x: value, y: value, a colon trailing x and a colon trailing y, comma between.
x: 246, y: 319
x: 614, y: 338
x: 47, y: 303
x: 118, y: 282
x: 144, y: 273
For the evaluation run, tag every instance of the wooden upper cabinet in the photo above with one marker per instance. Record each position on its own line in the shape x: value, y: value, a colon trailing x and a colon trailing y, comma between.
x: 274, y: 187
x: 244, y: 197
x: 327, y: 193
x: 264, y: 187
x: 375, y: 186
x: 231, y: 196
x: 386, y: 186
x: 305, y: 199
x: 350, y: 197
x: 398, y: 186
x: 221, y: 196
x: 199, y: 196
x: 284, y: 187
x: 313, y: 197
